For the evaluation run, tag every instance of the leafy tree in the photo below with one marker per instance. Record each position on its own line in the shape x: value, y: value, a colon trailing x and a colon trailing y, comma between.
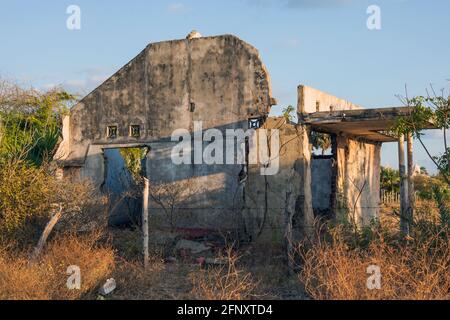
x: 321, y: 141
x: 443, y: 161
x: 390, y: 179
x: 288, y: 113
x: 433, y: 108
x: 424, y: 171
x: 133, y: 158
x: 30, y: 122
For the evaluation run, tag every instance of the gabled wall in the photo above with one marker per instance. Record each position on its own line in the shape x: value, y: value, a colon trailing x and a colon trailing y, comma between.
x: 220, y: 81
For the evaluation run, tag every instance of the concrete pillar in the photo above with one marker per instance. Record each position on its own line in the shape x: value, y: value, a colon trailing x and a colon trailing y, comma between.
x: 307, y: 207
x: 411, y: 191
x: 404, y: 225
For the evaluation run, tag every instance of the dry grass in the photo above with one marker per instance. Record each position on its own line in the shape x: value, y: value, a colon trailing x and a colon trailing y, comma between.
x: 47, y: 279
x: 426, y: 211
x: 133, y: 282
x: 419, y: 269
x: 159, y: 281
x: 223, y: 282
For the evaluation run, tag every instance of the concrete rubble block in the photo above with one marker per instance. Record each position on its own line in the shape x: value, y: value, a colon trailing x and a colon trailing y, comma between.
x: 161, y: 238
x: 192, y: 246
x: 109, y: 286
x: 194, y: 34
x: 216, y: 261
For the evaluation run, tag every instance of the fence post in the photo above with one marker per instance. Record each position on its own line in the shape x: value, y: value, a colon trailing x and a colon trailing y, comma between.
x: 145, y: 196
x: 288, y: 215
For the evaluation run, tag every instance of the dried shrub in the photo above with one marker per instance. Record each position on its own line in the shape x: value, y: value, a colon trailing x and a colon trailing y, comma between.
x: 223, y: 282
x: 27, y: 194
x: 47, y: 278
x: 134, y: 282
x: 417, y: 269
x: 171, y: 196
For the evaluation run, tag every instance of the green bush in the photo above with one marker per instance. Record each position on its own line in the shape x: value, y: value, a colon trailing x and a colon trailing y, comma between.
x: 30, y: 122
x: 26, y: 193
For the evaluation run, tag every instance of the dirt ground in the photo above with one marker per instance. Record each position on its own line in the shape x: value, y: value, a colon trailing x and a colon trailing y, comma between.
x: 170, y: 274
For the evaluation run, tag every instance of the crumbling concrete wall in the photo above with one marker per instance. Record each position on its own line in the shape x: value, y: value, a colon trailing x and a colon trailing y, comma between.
x: 220, y: 81
x: 355, y: 181
x: 358, y: 180
x: 311, y: 100
x: 265, y: 204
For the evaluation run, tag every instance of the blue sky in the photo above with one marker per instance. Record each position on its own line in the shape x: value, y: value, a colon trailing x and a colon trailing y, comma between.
x: 321, y: 43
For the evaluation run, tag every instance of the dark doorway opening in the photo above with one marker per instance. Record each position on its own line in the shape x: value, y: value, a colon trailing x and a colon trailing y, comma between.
x: 124, y: 169
x: 323, y: 173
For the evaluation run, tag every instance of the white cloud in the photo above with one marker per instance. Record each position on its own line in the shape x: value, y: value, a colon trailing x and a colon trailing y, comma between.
x: 316, y: 3
x: 301, y: 4
x: 176, y: 8
x: 87, y: 81
x: 292, y: 43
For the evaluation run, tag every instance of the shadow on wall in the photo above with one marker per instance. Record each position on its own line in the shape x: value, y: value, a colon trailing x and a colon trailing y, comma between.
x: 215, y: 195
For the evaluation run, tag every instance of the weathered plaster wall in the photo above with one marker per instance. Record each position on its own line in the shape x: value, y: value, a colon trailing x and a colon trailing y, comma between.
x: 357, y: 176
x: 358, y: 180
x: 221, y: 76
x: 212, y: 191
x: 265, y: 196
x: 220, y: 81
x: 311, y: 100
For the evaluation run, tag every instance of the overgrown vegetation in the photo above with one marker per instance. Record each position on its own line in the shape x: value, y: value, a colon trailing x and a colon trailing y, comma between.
x: 47, y: 278
x: 434, y: 108
x: 425, y: 185
x: 321, y: 141
x: 336, y: 268
x: 333, y: 266
x: 389, y: 179
x: 224, y: 282
x: 30, y: 123
x: 133, y: 158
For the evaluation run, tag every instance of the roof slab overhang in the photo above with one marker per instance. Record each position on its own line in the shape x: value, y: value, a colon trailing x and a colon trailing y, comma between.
x: 369, y: 124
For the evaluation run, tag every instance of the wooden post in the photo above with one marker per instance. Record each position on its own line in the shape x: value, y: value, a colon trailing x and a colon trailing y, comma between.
x: 288, y: 215
x: 411, y: 191
x: 56, y: 215
x: 403, y: 186
x: 145, y: 196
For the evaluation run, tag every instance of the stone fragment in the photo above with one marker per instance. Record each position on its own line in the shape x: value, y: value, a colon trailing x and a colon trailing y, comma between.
x: 108, y: 287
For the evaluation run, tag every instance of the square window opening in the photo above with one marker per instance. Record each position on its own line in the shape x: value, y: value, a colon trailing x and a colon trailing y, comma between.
x: 135, y: 131
x: 112, y: 132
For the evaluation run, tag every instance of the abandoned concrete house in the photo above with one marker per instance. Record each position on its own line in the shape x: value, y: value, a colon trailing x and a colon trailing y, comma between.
x: 222, y: 82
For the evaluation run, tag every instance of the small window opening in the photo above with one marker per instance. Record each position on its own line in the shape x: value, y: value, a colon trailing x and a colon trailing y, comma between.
x: 254, y: 123
x: 317, y: 106
x: 112, y: 132
x: 135, y: 131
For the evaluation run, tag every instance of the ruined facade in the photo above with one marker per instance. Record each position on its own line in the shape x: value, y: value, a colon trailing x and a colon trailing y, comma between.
x: 346, y: 184
x: 222, y: 83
